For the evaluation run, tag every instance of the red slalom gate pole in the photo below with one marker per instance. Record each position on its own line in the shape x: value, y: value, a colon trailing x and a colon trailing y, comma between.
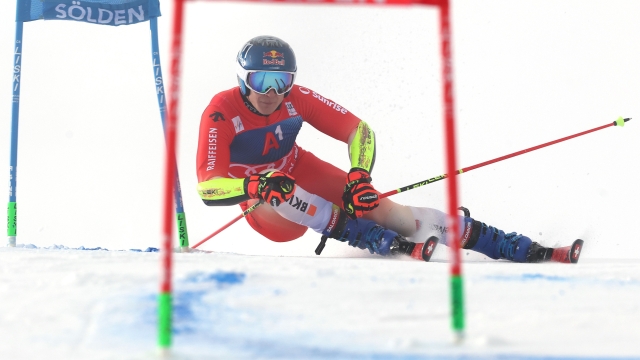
x: 164, y: 298
x: 453, y: 238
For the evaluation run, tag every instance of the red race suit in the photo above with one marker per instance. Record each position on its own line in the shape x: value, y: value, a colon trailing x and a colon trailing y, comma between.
x: 235, y: 142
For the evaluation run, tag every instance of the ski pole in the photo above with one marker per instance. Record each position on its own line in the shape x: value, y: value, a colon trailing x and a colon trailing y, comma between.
x: 244, y: 213
x: 619, y: 122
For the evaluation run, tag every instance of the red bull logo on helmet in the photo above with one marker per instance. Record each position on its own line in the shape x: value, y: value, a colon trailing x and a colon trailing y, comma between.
x: 271, y: 58
x: 273, y: 54
x: 273, y: 62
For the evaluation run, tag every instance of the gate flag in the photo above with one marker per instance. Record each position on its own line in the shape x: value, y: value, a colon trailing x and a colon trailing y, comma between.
x: 102, y: 12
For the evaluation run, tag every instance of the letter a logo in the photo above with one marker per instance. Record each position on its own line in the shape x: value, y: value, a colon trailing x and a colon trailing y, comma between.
x: 270, y: 142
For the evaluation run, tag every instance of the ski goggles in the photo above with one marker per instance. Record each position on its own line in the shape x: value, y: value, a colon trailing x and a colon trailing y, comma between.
x: 263, y: 81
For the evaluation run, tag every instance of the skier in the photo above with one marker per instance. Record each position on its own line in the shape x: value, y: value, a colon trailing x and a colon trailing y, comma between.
x: 247, y: 153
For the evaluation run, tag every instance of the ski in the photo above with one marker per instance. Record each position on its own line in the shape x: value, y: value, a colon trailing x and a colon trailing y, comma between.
x: 566, y: 254
x: 418, y: 251
x: 423, y: 251
x: 402, y: 246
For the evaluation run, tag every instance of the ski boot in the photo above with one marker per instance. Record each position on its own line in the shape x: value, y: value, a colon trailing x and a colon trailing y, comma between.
x: 360, y: 233
x: 496, y: 244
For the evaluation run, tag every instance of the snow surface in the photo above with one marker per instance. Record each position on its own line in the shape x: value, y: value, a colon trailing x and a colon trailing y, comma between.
x: 526, y: 72
x: 72, y: 304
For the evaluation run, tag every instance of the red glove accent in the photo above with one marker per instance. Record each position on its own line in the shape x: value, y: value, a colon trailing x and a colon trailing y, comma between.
x: 359, y: 196
x: 274, y: 187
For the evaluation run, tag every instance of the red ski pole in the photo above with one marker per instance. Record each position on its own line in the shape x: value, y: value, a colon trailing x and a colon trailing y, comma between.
x: 244, y: 213
x: 619, y: 122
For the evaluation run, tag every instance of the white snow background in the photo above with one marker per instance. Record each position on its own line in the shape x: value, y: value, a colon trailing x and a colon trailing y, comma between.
x: 90, y: 172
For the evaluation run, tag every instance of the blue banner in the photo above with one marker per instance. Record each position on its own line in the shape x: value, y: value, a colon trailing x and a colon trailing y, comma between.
x: 102, y: 12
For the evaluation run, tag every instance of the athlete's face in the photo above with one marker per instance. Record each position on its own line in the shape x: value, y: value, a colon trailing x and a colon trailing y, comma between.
x: 266, y: 104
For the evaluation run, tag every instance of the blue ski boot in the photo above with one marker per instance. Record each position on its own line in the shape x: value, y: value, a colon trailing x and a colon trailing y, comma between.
x: 494, y: 243
x: 520, y: 248
x: 360, y: 233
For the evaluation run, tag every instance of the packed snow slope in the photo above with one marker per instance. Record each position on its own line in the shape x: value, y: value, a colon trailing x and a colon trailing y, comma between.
x: 90, y: 169
x: 72, y: 304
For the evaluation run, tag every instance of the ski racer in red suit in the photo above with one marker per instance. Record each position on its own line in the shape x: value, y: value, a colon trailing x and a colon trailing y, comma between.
x: 247, y: 152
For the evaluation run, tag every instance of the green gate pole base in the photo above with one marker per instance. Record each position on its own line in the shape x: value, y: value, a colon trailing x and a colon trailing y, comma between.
x: 12, y: 220
x: 164, y: 321
x: 457, y: 308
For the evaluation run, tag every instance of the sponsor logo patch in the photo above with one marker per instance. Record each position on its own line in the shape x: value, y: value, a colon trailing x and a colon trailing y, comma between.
x: 300, y: 205
x: 273, y: 62
x: 213, y: 193
x: 273, y: 54
x: 237, y: 124
x: 212, y: 148
x: 216, y: 116
x: 271, y: 58
x: 292, y: 111
x: 439, y: 228
x: 335, y: 212
x: 368, y: 198
x: 466, y: 235
x: 329, y: 103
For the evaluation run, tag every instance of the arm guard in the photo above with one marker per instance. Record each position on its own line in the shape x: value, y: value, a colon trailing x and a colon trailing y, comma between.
x: 362, y: 149
x: 223, y: 191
